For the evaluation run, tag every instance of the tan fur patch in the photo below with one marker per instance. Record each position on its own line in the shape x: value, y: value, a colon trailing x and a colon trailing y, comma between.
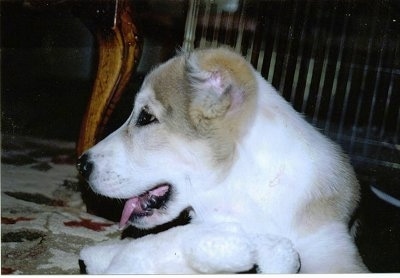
x: 224, y: 116
x: 219, y: 117
x: 330, y: 203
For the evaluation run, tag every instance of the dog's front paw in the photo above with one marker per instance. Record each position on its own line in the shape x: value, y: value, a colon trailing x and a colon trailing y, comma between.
x: 96, y: 259
x: 277, y: 255
x: 221, y: 249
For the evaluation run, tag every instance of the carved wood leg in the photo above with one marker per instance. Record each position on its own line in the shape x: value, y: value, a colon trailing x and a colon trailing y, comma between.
x: 119, y: 49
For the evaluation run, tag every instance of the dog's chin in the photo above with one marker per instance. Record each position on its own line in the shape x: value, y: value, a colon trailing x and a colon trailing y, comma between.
x: 163, y: 219
x: 149, y: 222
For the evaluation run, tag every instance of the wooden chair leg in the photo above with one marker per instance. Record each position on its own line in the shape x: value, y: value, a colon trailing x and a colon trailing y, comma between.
x: 119, y: 49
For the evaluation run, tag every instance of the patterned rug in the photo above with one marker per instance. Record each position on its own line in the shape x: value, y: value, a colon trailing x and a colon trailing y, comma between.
x: 44, y: 223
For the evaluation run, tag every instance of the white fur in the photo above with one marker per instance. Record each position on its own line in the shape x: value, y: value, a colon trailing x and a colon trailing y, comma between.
x: 195, y: 248
x: 244, y: 213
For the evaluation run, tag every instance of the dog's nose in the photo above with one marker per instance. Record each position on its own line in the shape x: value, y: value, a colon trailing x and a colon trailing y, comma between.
x: 84, y: 166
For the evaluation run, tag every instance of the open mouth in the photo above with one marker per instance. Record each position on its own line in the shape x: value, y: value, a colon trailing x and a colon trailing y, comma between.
x: 145, y: 204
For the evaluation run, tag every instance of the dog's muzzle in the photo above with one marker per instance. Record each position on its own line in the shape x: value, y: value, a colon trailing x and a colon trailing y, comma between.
x: 84, y: 166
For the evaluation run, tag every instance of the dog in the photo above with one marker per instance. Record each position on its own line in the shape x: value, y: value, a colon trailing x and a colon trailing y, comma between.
x: 265, y: 188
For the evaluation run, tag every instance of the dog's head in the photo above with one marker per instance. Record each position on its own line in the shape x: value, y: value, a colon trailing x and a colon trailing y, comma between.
x: 180, y: 138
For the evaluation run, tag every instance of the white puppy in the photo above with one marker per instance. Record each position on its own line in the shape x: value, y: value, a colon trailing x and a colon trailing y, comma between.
x: 265, y: 188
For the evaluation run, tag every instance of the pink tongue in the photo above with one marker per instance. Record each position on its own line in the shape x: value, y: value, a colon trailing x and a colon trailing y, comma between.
x: 129, y: 207
x: 134, y: 204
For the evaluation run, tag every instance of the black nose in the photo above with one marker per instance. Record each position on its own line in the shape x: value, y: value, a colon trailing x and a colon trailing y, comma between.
x: 84, y: 166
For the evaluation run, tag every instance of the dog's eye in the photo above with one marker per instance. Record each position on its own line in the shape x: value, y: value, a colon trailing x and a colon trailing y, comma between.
x: 145, y: 117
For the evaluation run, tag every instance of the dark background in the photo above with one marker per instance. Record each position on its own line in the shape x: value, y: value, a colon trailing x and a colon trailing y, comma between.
x: 48, y: 60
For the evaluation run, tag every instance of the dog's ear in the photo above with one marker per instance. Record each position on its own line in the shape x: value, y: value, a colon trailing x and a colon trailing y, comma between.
x: 213, y: 88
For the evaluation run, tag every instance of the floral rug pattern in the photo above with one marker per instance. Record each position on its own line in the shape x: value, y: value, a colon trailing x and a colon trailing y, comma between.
x: 44, y: 223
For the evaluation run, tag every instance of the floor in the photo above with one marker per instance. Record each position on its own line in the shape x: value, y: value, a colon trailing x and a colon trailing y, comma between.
x: 44, y: 223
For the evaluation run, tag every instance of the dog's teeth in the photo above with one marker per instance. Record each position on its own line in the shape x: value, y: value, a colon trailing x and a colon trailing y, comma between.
x: 149, y: 203
x: 152, y: 201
